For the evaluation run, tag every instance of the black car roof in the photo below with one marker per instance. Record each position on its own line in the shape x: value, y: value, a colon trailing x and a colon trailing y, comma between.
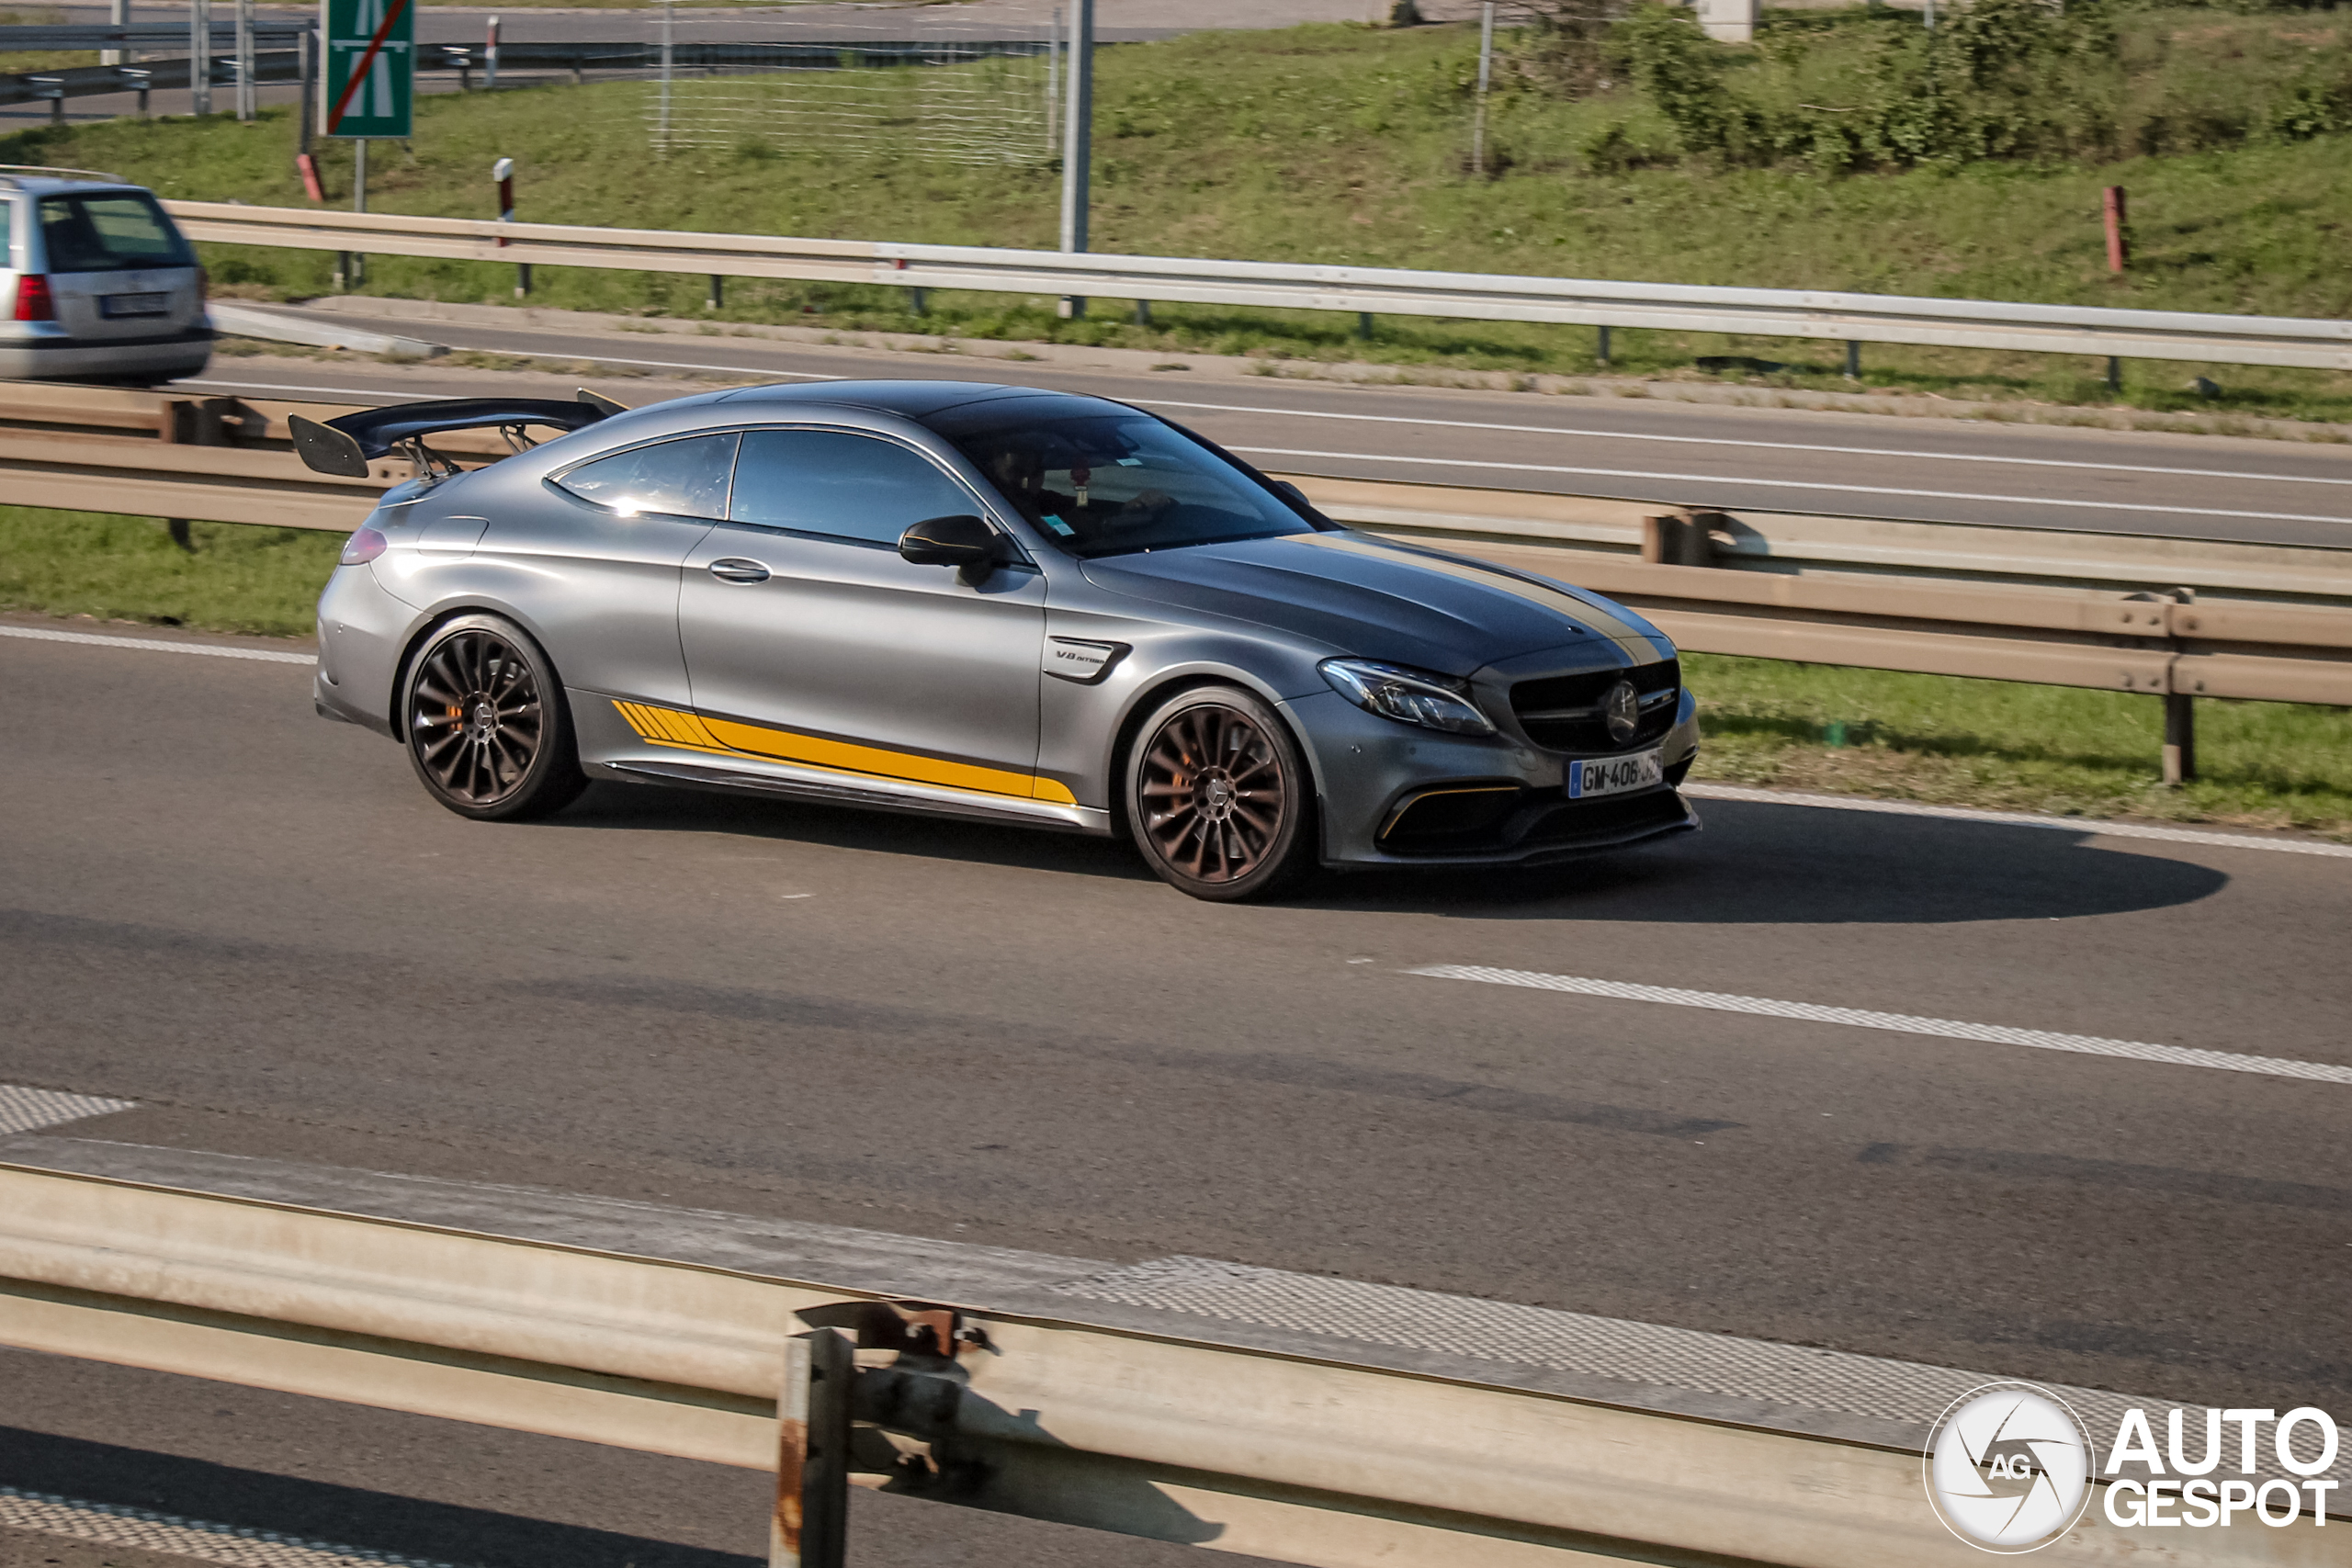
x: 912, y: 399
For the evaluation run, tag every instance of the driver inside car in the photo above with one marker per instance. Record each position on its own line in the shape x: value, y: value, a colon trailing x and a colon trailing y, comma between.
x: 1057, y: 487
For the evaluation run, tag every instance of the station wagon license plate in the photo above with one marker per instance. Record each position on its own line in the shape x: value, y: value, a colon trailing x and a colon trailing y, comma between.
x: 1615, y: 775
x: 114, y: 306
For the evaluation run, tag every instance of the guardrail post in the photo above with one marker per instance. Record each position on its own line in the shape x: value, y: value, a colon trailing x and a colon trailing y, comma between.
x: 1600, y: 348
x: 1853, y: 360
x: 810, y: 1525
x: 2180, y: 720
x: 1681, y: 539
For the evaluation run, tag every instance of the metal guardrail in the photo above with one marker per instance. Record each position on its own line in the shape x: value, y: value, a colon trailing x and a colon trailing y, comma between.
x: 1022, y: 1404
x: 102, y: 81
x: 1769, y: 312
x: 164, y: 68
x: 2172, y: 618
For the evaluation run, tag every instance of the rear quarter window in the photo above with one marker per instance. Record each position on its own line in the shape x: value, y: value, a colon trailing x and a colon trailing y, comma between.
x: 117, y: 231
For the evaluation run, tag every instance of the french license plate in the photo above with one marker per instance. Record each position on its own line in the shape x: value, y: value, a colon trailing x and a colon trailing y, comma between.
x: 115, y: 306
x: 1615, y: 775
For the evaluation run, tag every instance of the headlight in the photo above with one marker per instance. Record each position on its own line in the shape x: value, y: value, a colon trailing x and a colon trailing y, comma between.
x: 1409, y: 696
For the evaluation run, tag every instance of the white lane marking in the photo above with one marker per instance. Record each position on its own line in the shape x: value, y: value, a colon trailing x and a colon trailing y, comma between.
x: 114, y: 1524
x: 285, y: 387
x: 157, y: 645
x: 1787, y: 484
x: 666, y: 364
x: 26, y: 1110
x: 1767, y: 445
x: 1898, y: 1023
x: 2090, y: 826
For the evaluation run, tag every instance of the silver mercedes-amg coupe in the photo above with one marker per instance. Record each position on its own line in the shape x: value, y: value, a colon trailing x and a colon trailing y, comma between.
x: 979, y: 601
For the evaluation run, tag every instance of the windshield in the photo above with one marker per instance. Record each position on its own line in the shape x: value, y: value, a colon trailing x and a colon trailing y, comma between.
x: 1112, y: 483
x: 116, y: 233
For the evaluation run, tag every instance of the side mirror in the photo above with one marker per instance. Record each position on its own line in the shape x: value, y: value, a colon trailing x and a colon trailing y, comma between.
x: 962, y: 541
x: 1298, y: 497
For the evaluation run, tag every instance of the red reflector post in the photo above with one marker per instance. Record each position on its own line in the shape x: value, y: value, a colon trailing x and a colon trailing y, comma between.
x: 34, y: 302
x: 364, y: 547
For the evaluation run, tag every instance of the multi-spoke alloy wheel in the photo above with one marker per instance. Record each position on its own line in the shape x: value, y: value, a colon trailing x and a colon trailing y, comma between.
x: 1218, y: 796
x: 486, y: 723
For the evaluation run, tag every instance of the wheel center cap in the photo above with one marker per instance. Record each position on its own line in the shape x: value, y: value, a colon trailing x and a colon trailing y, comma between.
x: 1216, y: 798
x: 485, y: 717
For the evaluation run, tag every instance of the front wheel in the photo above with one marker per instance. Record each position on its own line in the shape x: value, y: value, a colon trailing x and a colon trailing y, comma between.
x: 486, y: 724
x: 1218, y: 798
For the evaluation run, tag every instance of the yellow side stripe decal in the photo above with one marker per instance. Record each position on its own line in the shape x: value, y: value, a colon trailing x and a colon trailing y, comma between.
x: 1630, y: 637
x: 668, y: 727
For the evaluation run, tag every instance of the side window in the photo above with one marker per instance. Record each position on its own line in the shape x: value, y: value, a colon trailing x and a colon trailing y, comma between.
x: 830, y: 482
x: 686, y: 478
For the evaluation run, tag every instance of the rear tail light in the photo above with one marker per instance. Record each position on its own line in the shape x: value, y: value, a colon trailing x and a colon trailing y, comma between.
x: 364, y: 547
x: 34, y: 302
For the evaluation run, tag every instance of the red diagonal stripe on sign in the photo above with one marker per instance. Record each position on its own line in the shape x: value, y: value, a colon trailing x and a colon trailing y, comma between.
x: 359, y: 72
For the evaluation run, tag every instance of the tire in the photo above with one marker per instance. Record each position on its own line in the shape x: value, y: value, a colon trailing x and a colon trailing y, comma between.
x: 1218, y: 797
x: 486, y: 727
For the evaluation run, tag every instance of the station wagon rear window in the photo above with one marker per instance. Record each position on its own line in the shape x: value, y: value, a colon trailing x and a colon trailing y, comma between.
x: 117, y: 231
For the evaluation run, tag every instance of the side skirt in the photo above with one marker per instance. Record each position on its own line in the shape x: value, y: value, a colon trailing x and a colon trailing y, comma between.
x: 875, y: 794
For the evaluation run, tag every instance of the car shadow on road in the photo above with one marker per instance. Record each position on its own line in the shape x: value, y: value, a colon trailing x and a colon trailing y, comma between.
x: 1758, y: 863
x: 655, y: 810
x: 1755, y: 864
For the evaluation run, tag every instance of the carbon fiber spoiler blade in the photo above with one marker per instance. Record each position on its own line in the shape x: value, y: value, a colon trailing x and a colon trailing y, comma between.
x: 345, y: 446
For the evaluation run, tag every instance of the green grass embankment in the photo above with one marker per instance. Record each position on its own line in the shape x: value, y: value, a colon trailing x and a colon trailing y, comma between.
x: 1916, y: 737
x: 1347, y: 145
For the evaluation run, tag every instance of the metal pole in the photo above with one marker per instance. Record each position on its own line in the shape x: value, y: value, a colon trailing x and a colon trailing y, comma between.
x: 199, y: 56
x: 1485, y: 69
x: 118, y: 14
x: 1053, y: 79
x: 2180, y: 738
x: 306, y: 43
x: 489, y: 60
x: 358, y: 204
x: 1853, y: 360
x: 247, y: 103
x: 809, y: 1528
x: 1078, y: 140
x: 669, y: 11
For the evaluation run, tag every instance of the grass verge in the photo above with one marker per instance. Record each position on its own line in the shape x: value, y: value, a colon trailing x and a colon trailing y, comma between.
x: 236, y: 579
x: 1340, y: 145
x: 1792, y: 725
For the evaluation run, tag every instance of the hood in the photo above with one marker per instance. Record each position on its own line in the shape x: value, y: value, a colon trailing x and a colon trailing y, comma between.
x: 1376, y: 599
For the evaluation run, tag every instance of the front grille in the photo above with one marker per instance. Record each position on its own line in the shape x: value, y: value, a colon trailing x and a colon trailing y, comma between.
x: 1563, y: 713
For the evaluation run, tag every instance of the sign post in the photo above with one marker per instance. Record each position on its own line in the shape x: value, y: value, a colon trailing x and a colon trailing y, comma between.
x: 369, y: 85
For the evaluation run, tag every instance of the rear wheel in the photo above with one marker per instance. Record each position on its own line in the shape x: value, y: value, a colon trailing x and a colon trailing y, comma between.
x: 1218, y: 798
x: 486, y: 724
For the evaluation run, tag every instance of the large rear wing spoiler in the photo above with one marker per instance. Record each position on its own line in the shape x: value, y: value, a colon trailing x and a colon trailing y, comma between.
x: 345, y: 446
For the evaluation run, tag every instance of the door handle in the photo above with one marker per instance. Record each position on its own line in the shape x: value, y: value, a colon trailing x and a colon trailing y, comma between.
x: 735, y: 569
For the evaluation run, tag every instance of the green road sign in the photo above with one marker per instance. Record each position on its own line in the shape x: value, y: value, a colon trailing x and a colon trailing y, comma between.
x: 370, y: 67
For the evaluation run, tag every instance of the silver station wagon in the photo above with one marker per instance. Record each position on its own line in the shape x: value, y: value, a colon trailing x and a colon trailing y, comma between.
x: 98, y: 285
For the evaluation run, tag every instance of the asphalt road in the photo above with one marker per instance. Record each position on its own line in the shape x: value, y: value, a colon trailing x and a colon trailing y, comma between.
x: 1708, y: 454
x: 255, y: 925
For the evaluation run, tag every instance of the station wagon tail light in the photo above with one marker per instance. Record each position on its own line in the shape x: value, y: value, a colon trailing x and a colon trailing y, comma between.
x: 34, y: 301
x: 364, y: 547
x: 1409, y: 697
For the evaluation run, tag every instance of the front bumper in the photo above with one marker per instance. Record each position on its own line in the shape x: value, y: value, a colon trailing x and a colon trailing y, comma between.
x: 32, y: 354
x: 1515, y: 809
